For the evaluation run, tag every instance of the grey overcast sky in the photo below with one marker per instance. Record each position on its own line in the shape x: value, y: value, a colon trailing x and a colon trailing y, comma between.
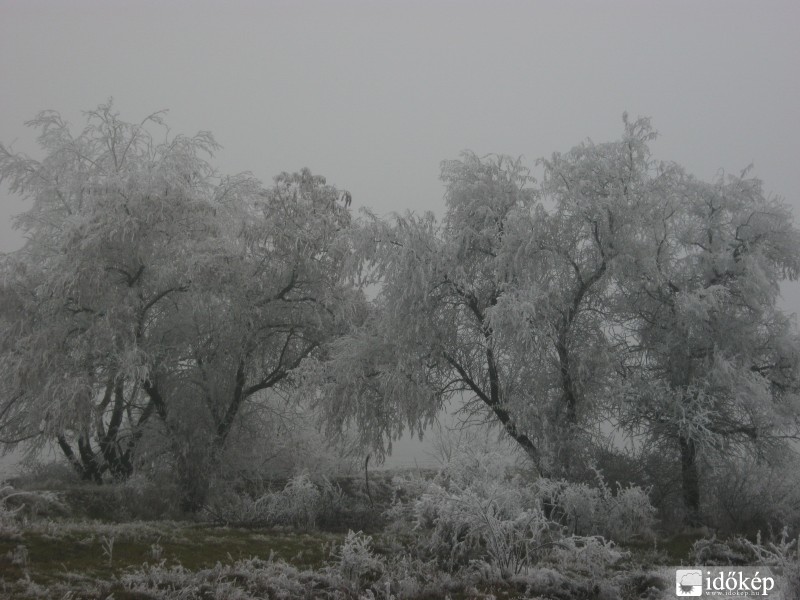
x: 374, y: 94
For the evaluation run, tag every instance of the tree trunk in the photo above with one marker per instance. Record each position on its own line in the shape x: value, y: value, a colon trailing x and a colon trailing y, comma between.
x: 690, y: 480
x: 85, y: 463
x: 495, y: 403
x: 194, y: 481
x: 76, y: 463
x: 569, y: 396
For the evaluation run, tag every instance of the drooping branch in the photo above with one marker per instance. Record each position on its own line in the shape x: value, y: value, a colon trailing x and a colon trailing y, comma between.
x: 493, y: 402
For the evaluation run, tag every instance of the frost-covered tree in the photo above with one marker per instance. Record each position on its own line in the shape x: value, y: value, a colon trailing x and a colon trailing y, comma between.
x: 429, y: 337
x: 559, y: 311
x: 154, y: 296
x: 111, y: 210
x: 619, y: 295
x: 501, y: 303
x: 714, y: 364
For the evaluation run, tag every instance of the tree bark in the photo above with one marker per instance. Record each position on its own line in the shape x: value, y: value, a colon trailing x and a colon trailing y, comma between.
x: 690, y: 480
x: 85, y: 464
x: 73, y: 460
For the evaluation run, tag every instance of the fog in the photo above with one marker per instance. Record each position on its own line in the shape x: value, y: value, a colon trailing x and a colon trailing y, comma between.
x: 374, y: 95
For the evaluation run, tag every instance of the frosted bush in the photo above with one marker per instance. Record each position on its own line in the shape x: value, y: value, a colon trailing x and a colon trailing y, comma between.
x: 406, y: 576
x: 629, y: 514
x: 240, y: 509
x: 713, y: 551
x: 34, y: 502
x: 16, y: 505
x: 747, y: 495
x: 576, y: 505
x: 783, y: 553
x: 299, y: 504
x: 9, y: 526
x: 588, y: 510
x: 356, y: 561
x: 473, y: 512
x: 589, y: 555
x: 469, y: 512
x: 465, y: 524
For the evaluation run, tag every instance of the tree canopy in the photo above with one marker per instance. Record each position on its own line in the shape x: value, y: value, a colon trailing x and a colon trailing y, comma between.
x: 617, y: 297
x: 152, y: 289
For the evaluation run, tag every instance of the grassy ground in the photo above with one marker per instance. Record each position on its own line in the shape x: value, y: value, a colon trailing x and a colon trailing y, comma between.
x: 66, y: 552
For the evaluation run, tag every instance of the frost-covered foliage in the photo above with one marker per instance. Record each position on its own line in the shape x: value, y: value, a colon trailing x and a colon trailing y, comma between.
x: 746, y: 495
x: 242, y: 580
x: 158, y: 309
x: 8, y: 516
x: 354, y: 573
x: 299, y: 504
x: 473, y: 511
x: 619, y: 289
x: 463, y: 524
x: 503, y: 543
x: 366, y: 578
x: 588, y: 555
x: 782, y: 552
x: 742, y: 551
x: 588, y: 510
x: 16, y: 504
x: 356, y: 560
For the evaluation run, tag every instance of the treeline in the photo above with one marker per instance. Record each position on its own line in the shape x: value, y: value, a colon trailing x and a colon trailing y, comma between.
x: 616, y: 314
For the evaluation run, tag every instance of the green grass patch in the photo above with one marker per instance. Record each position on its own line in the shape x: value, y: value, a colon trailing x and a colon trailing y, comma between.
x: 48, y: 556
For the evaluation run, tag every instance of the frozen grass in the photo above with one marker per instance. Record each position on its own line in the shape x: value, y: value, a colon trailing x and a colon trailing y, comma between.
x: 70, y: 555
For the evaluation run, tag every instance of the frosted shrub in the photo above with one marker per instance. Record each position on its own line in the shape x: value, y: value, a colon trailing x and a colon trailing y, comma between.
x: 9, y: 527
x: 513, y: 543
x: 588, y: 510
x: 409, y: 486
x: 465, y: 524
x: 240, y: 509
x: 588, y: 555
x: 356, y: 574
x: 473, y: 512
x: 576, y: 505
x: 745, y: 496
x: 298, y: 504
x: 15, y: 503
x: 406, y: 576
x: 356, y: 561
x: 630, y: 514
x: 783, y: 553
x: 156, y: 496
